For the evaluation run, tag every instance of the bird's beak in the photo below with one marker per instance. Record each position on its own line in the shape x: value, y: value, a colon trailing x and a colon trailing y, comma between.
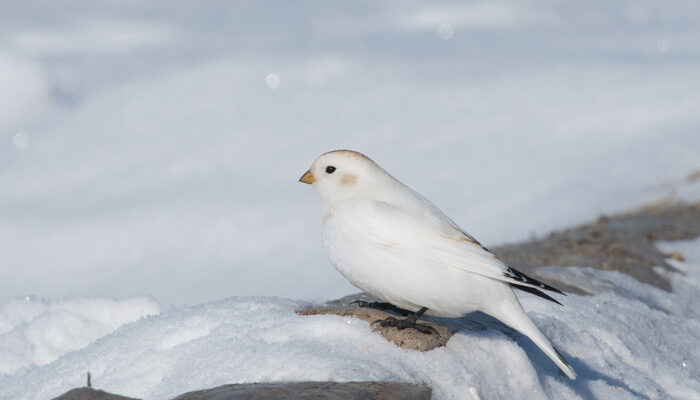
x: 308, y: 177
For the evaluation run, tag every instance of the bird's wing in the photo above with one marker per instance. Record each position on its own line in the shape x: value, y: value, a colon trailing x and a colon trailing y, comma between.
x: 438, y: 241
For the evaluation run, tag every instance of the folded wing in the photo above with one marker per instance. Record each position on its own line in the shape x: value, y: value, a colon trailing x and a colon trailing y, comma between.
x: 436, y: 239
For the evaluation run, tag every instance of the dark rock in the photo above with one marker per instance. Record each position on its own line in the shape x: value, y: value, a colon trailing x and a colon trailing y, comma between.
x: 312, y: 390
x: 86, y: 393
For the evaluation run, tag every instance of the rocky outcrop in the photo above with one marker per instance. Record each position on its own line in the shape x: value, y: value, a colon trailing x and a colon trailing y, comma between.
x: 87, y: 393
x: 407, y: 338
x: 622, y: 242
x: 313, y: 390
x: 283, y: 391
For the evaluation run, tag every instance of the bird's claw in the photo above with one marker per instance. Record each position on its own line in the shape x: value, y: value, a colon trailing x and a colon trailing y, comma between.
x: 381, y: 306
x: 402, y: 324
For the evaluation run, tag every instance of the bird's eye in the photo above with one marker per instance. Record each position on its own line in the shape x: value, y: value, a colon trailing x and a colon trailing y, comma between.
x: 330, y: 169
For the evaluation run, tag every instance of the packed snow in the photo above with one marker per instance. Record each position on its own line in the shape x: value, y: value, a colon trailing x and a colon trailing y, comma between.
x: 635, y: 341
x: 35, y: 331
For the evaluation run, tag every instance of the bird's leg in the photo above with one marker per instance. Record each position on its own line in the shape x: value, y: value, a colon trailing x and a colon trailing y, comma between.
x: 409, y: 322
x: 381, y: 306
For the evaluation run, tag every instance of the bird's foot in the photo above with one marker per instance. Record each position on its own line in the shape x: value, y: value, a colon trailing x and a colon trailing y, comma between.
x: 409, y: 322
x: 381, y: 306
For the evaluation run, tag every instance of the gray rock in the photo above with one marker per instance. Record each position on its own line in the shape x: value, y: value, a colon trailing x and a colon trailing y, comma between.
x: 406, y: 338
x: 86, y: 393
x: 312, y: 390
x: 623, y: 243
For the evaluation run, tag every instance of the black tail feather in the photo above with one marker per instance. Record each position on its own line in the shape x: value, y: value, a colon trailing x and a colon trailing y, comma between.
x: 514, y: 274
x: 535, y: 291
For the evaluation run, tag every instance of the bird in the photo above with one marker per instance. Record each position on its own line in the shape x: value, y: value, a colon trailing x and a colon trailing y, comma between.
x: 395, y: 245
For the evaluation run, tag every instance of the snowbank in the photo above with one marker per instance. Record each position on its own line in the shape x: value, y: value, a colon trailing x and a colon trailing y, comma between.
x: 630, y: 342
x: 36, y: 331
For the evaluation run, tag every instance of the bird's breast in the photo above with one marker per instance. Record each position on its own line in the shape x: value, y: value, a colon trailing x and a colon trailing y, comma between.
x: 350, y: 246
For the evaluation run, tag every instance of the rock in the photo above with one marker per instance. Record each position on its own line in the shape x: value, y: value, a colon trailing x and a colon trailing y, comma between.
x: 406, y: 338
x: 87, y: 393
x: 622, y: 243
x: 312, y: 390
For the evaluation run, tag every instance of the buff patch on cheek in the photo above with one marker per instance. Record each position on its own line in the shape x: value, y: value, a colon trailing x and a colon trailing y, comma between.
x: 348, y: 179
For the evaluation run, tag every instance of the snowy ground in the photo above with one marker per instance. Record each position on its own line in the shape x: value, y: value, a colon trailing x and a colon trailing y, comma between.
x: 634, y: 342
x: 143, y: 151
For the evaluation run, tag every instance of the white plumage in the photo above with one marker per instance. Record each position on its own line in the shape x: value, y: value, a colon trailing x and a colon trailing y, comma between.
x: 395, y: 245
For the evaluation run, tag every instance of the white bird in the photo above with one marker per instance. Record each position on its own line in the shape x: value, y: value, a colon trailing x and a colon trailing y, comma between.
x: 395, y: 245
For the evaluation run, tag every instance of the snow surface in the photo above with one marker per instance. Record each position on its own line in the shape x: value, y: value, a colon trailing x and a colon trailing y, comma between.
x: 36, y: 331
x: 635, y: 341
x: 142, y: 151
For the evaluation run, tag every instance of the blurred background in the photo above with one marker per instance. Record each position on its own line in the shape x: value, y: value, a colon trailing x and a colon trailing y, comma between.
x: 154, y: 147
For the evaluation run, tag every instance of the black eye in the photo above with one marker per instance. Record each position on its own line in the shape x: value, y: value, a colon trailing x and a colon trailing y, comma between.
x: 330, y: 169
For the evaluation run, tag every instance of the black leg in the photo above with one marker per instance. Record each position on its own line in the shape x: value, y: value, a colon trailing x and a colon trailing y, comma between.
x: 409, y: 322
x: 382, y: 306
x: 420, y: 312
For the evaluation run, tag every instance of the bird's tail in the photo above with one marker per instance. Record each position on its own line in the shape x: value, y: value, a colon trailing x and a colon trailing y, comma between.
x: 513, y: 315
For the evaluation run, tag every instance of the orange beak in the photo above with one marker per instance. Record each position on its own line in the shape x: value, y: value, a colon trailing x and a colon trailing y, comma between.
x: 308, y: 177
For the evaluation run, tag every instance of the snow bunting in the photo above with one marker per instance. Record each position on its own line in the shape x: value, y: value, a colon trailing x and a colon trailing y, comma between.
x: 397, y: 246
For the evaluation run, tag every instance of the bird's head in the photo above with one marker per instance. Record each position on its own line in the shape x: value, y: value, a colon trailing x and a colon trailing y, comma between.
x: 344, y: 174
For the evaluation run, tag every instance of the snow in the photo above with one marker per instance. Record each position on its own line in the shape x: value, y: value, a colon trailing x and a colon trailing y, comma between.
x: 272, y: 81
x: 446, y: 31
x: 635, y: 341
x: 35, y: 331
x: 24, y: 94
x: 21, y: 140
